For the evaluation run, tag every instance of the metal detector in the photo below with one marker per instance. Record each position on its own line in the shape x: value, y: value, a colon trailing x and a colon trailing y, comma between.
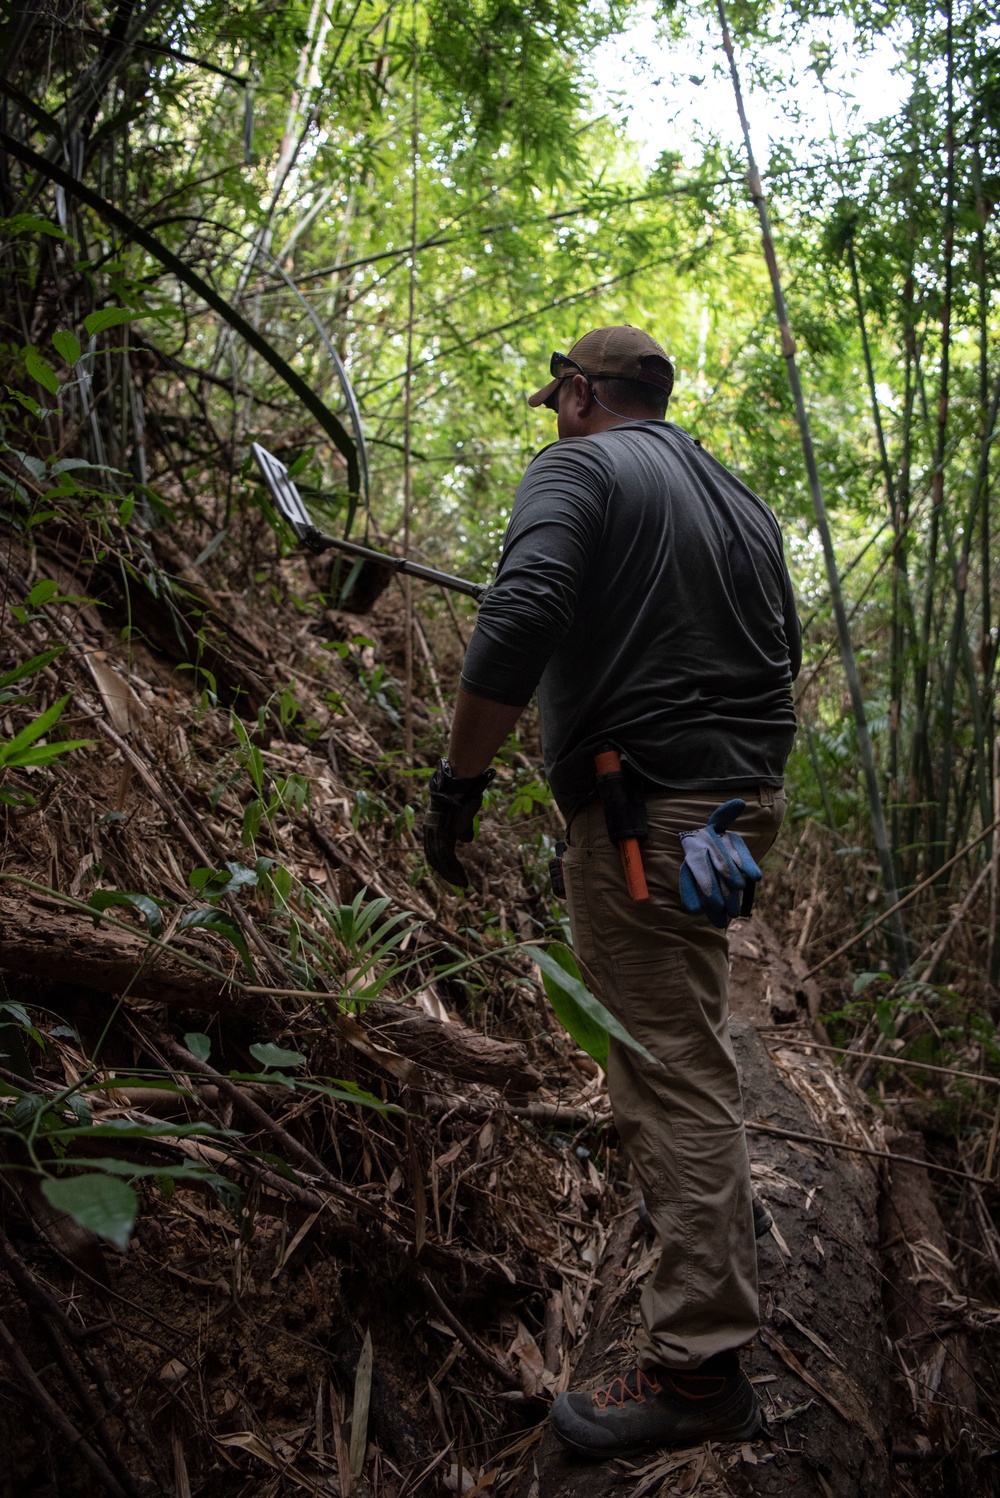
x: 292, y: 508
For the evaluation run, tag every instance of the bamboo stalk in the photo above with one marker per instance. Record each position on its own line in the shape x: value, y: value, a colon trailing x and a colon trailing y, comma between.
x: 408, y: 405
x: 994, y: 958
x: 937, y: 481
x: 865, y: 751
x: 900, y: 579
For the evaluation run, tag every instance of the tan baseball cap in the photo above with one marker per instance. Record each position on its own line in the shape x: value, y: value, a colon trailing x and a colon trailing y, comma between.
x: 619, y: 353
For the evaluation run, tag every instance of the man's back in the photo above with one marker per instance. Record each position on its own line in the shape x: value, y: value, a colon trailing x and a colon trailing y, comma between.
x: 646, y: 586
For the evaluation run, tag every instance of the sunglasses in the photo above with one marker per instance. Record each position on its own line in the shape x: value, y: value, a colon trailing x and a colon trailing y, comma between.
x: 561, y: 364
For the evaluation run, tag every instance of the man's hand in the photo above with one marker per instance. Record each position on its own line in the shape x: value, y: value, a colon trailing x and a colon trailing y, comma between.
x: 450, y: 818
x: 719, y: 874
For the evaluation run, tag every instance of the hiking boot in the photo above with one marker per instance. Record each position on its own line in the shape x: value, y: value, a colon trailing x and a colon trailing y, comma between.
x: 652, y: 1407
x: 762, y: 1219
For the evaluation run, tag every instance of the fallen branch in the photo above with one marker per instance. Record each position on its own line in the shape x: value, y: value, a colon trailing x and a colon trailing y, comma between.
x: 755, y: 1127
x: 60, y: 945
x: 547, y: 1113
x: 839, y: 1050
x: 499, y: 1370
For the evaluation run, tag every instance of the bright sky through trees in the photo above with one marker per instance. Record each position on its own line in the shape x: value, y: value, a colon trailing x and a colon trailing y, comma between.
x: 673, y: 94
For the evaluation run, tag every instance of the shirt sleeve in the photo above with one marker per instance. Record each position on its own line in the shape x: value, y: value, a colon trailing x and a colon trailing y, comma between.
x: 552, y: 541
x: 793, y: 632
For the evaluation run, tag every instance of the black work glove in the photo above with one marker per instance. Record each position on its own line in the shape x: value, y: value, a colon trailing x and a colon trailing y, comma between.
x: 449, y: 819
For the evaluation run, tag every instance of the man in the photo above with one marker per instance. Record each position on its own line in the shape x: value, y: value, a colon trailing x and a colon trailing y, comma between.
x: 643, y: 592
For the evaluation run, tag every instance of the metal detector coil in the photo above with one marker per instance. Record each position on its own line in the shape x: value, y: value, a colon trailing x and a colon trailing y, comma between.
x: 292, y: 508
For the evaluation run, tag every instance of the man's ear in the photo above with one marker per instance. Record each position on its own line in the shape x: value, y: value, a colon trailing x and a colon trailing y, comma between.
x: 583, y: 393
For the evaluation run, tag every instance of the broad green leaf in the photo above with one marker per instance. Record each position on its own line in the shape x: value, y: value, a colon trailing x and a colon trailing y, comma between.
x: 68, y: 345
x: 21, y: 1017
x: 35, y: 466
x: 209, y: 882
x: 43, y: 591
x: 216, y: 920
x: 347, y: 1092
x: 27, y: 223
x: 41, y: 754
x: 41, y: 370
x: 80, y: 1109
x: 865, y: 980
x: 36, y: 729
x: 16, y: 798
x: 69, y: 465
x: 104, y: 899
x: 585, y: 1017
x: 274, y: 1055
x: 18, y: 1013
x: 29, y: 403
x: 109, y: 317
x: 251, y: 819
x: 131, y: 1170
x: 29, y: 668
x: 198, y: 1044
x: 96, y: 1201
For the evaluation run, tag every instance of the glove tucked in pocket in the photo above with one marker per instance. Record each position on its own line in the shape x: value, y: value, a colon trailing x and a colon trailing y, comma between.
x: 719, y: 874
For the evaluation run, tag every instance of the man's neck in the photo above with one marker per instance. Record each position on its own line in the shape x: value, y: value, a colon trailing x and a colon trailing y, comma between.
x: 609, y: 420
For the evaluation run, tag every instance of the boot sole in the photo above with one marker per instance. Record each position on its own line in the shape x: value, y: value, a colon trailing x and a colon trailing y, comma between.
x: 745, y: 1432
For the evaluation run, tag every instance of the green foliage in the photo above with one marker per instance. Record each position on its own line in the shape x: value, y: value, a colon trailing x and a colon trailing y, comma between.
x: 68, y: 345
x: 199, y: 1045
x: 275, y: 1055
x: 102, y: 1203
x: 216, y: 920
x: 25, y: 750
x: 55, y: 1132
x: 590, y: 1024
x: 24, y: 671
x: 106, y: 899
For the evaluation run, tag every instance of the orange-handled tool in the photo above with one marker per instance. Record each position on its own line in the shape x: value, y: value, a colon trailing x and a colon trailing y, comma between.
x: 623, y: 823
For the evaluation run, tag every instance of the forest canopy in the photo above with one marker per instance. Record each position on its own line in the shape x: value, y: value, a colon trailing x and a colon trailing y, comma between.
x: 431, y: 196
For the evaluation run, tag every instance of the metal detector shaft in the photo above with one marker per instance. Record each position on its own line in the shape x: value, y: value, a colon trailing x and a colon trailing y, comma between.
x: 290, y: 505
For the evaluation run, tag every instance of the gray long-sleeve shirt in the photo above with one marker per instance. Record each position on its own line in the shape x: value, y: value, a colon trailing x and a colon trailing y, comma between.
x: 643, y: 591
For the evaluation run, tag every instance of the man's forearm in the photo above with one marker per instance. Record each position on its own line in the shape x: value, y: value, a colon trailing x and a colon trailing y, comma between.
x: 477, y: 732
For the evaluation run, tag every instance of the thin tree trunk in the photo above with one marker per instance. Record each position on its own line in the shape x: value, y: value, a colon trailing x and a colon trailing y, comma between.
x: 408, y: 405
x: 898, y: 668
x: 959, y: 641
x: 901, y: 599
x: 865, y: 751
x: 940, y: 824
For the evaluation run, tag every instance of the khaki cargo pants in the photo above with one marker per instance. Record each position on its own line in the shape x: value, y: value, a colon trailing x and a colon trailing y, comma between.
x: 665, y: 975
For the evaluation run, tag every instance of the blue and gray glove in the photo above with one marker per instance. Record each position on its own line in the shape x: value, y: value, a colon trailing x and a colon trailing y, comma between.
x: 719, y: 874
